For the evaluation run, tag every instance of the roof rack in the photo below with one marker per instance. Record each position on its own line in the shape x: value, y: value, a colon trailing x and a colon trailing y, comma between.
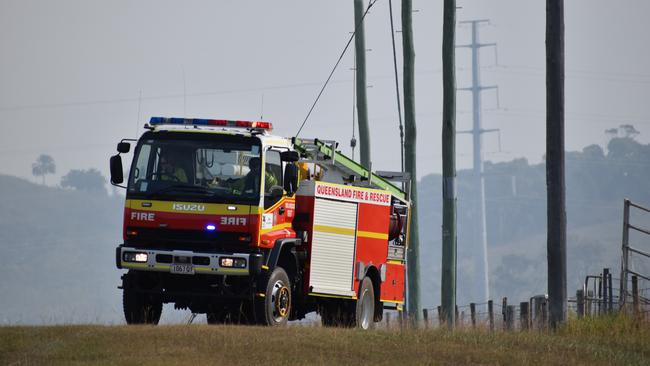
x: 324, y: 152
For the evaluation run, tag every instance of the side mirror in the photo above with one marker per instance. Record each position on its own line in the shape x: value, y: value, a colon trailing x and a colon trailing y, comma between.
x: 117, y: 175
x: 291, y: 178
x: 290, y: 156
x: 123, y: 147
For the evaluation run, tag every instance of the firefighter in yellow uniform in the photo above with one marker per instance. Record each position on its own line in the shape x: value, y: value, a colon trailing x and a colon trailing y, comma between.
x: 170, y: 171
x: 251, y: 181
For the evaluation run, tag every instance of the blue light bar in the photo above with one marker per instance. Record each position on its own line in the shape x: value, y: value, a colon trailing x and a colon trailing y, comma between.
x: 209, y: 122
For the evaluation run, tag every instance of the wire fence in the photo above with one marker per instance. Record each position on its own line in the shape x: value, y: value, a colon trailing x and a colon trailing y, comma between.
x: 597, y: 297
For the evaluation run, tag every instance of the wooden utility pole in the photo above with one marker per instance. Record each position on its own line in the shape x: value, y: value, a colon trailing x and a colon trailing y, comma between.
x: 362, y: 105
x: 410, y: 141
x: 449, y: 163
x: 555, y: 187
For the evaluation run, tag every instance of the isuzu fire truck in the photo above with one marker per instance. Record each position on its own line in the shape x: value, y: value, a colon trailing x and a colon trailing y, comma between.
x: 223, y: 218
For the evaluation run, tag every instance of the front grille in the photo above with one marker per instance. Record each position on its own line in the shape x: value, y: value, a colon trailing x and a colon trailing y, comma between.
x: 194, y: 240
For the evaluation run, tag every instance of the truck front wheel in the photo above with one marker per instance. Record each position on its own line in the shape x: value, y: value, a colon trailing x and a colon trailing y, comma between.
x: 274, y: 308
x: 139, y: 308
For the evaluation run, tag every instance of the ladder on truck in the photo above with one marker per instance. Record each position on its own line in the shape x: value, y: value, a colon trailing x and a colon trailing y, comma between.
x: 323, y: 152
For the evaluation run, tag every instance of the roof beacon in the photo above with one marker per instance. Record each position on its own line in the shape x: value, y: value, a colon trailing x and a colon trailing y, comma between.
x: 155, y: 121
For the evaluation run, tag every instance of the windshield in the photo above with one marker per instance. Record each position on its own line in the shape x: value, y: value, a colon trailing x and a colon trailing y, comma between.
x: 218, y: 169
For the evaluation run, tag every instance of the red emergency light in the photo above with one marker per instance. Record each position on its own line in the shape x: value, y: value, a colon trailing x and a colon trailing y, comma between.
x: 210, y: 122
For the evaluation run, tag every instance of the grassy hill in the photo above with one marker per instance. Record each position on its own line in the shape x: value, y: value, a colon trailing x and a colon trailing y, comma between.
x: 610, y: 341
x: 57, y: 254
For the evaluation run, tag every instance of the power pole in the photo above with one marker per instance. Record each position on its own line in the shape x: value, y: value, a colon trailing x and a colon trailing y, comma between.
x: 362, y: 106
x: 555, y: 187
x: 480, y: 234
x: 410, y: 141
x: 448, y: 287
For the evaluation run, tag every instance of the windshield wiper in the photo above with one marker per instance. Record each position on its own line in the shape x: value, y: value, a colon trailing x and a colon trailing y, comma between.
x: 183, y: 188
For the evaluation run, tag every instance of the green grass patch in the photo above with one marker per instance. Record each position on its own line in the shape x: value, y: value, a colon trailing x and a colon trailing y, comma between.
x: 605, y: 341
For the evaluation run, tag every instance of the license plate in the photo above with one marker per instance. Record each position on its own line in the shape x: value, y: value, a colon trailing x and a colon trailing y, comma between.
x: 186, y: 269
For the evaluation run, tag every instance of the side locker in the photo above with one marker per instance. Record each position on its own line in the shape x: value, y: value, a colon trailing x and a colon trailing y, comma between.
x: 333, y: 247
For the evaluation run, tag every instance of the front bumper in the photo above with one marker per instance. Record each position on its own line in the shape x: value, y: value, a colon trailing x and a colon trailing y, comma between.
x: 160, y: 260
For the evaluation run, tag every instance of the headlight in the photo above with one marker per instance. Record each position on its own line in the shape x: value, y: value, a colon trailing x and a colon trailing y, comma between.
x: 232, y: 262
x: 139, y: 257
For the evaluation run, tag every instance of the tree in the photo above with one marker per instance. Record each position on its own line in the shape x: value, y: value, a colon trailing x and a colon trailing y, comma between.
x: 44, y: 165
x: 90, y: 180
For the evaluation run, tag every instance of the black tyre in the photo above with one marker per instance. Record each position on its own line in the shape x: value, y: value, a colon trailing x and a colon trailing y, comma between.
x: 365, y: 309
x: 274, y: 308
x: 140, y: 308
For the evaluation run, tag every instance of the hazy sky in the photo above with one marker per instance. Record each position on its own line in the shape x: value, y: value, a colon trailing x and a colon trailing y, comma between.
x: 72, y: 72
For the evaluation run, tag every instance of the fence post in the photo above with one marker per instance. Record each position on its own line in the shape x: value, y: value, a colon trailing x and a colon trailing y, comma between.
x: 610, y: 292
x: 580, y: 301
x: 491, y: 314
x: 603, y: 284
x: 510, y: 317
x: 625, y: 246
x: 589, y: 304
x: 544, y: 313
x: 425, y: 316
x: 523, y: 315
x: 504, y: 308
x: 602, y: 293
x: 606, y: 293
x: 441, y: 320
x: 456, y: 314
x: 635, y: 295
x: 472, y: 311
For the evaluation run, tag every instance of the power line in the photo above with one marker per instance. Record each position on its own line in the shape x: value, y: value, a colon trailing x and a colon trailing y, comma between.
x: 370, y: 4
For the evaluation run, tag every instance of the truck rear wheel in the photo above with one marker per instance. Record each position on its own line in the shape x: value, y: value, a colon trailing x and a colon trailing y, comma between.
x: 274, y: 308
x: 365, y: 309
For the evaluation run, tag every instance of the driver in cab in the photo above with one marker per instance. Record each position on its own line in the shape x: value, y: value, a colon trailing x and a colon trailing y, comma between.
x: 170, y: 169
x: 251, y: 182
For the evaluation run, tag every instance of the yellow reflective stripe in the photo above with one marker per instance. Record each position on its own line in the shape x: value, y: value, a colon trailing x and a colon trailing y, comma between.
x: 393, y: 301
x: 333, y: 296
x: 276, y: 227
x: 202, y: 269
x: 371, y: 234
x: 394, y: 262
x: 334, y: 230
x: 161, y: 267
x: 139, y: 265
x: 232, y: 270
x: 206, y: 208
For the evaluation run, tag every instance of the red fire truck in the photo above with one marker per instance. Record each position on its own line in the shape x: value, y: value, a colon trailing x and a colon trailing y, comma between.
x: 223, y: 218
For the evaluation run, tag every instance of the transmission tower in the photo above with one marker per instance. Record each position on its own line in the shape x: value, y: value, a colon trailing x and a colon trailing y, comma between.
x: 479, y: 232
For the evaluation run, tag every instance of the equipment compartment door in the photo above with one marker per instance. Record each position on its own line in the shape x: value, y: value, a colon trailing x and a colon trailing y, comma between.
x: 333, y: 247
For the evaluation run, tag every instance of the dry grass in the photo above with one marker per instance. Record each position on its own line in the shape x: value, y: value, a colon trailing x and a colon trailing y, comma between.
x: 605, y: 341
